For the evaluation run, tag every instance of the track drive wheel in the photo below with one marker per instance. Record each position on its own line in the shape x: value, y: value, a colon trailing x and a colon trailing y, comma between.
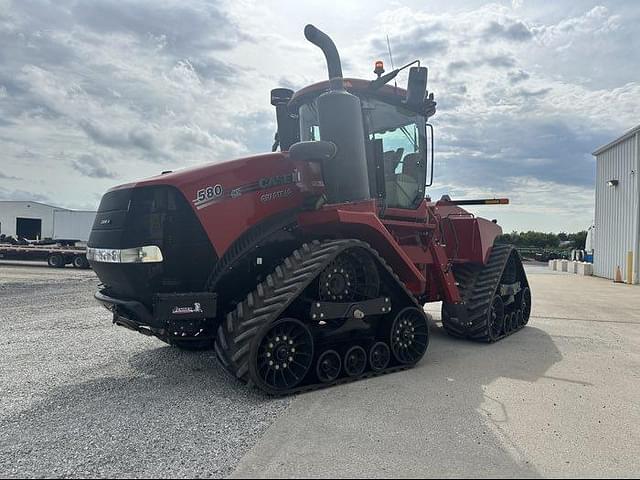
x: 352, y: 276
x: 409, y: 335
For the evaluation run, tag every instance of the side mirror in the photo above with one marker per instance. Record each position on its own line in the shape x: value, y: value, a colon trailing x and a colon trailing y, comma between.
x: 416, y: 86
x: 288, y: 130
x: 314, y: 151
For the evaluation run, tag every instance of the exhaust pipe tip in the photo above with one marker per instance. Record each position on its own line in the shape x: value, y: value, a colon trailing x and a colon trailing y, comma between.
x: 324, y: 43
x: 310, y: 32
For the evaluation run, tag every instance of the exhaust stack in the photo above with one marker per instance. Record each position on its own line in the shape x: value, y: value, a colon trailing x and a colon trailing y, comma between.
x: 340, y: 121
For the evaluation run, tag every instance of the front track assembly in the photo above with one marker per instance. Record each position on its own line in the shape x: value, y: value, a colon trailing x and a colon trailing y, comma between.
x: 331, y: 312
x: 496, y: 298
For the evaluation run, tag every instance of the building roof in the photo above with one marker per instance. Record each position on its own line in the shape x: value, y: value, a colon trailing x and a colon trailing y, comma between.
x: 623, y: 137
x: 32, y: 201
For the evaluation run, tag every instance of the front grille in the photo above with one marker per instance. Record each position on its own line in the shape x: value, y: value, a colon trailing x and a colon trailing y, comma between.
x: 155, y: 215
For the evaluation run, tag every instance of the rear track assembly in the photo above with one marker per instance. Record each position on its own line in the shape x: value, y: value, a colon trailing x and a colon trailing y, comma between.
x: 497, y: 299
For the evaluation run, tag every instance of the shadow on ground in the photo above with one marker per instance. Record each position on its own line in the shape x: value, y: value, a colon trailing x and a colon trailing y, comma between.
x: 434, y: 420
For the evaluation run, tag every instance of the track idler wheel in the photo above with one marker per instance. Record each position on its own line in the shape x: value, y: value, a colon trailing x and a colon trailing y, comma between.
x: 409, y: 336
x: 525, y: 305
x: 355, y: 361
x: 496, y: 318
x: 379, y: 356
x: 328, y: 366
x: 284, y: 355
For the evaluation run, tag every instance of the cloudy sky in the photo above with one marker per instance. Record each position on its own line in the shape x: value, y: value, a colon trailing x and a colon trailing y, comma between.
x: 99, y: 92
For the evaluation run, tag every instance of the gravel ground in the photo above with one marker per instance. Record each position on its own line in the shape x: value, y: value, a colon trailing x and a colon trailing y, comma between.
x: 83, y: 398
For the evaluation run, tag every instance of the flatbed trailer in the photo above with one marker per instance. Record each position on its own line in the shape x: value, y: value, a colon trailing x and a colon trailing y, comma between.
x: 56, y: 256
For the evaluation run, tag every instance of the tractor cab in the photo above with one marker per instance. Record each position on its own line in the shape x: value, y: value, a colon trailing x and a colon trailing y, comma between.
x: 398, y: 139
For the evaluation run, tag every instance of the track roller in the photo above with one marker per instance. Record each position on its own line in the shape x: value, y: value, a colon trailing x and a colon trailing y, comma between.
x: 355, y: 361
x: 379, y: 356
x: 328, y: 366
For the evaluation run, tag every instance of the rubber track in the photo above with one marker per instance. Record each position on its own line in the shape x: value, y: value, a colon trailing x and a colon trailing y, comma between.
x: 478, y: 285
x: 271, y: 298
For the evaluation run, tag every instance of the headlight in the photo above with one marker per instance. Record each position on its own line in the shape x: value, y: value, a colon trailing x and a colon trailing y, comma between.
x: 146, y: 254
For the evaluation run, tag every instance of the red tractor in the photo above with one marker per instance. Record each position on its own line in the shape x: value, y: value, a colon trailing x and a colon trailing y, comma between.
x: 309, y: 266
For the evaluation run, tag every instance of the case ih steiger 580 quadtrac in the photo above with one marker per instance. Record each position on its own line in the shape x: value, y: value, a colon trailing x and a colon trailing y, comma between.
x: 309, y: 266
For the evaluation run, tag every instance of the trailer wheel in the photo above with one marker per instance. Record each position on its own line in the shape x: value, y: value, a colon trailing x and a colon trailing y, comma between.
x: 80, y: 261
x: 56, y: 260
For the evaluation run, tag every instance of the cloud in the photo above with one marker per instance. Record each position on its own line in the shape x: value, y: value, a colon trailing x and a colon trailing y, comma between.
x: 495, y: 61
x: 93, y: 166
x: 512, y: 30
x: 422, y: 41
x: 6, y: 194
x: 518, y: 76
x: 8, y: 177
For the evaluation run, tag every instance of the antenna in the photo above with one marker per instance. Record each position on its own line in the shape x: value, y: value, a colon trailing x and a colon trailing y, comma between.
x: 391, y: 58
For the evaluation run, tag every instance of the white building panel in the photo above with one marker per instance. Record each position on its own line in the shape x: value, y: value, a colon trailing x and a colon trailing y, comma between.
x: 72, y: 224
x: 617, y: 210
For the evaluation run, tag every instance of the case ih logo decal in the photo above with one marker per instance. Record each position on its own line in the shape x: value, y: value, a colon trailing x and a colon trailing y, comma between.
x: 277, y: 180
x: 197, y: 308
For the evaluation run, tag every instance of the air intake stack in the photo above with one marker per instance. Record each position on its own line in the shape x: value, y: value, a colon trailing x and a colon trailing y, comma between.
x: 340, y: 121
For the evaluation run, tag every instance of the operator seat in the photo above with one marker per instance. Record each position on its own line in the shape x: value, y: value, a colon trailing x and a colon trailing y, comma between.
x: 391, y: 160
x: 408, y: 182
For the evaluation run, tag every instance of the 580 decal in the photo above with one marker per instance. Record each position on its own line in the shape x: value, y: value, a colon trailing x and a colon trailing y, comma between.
x: 208, y: 195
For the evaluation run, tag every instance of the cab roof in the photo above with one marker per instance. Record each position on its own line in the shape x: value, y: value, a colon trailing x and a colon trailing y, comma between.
x: 360, y: 87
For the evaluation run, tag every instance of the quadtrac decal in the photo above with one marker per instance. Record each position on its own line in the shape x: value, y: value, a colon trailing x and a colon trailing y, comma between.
x: 268, y: 197
x: 212, y: 194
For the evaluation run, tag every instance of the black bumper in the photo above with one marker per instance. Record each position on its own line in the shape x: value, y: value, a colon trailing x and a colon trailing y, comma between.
x: 170, y: 311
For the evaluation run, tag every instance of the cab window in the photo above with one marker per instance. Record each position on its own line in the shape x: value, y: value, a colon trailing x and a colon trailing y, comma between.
x: 404, y: 151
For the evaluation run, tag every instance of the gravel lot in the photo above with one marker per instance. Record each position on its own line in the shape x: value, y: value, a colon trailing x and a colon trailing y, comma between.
x: 83, y: 398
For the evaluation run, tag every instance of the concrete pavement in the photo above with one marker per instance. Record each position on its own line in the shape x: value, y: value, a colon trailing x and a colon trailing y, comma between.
x: 558, y: 399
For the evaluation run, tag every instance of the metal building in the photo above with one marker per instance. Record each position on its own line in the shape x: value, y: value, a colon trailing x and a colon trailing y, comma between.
x: 617, y: 212
x: 36, y: 221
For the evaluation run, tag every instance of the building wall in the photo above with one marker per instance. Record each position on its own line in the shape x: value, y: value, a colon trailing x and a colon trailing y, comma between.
x: 9, y: 211
x: 617, y: 208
